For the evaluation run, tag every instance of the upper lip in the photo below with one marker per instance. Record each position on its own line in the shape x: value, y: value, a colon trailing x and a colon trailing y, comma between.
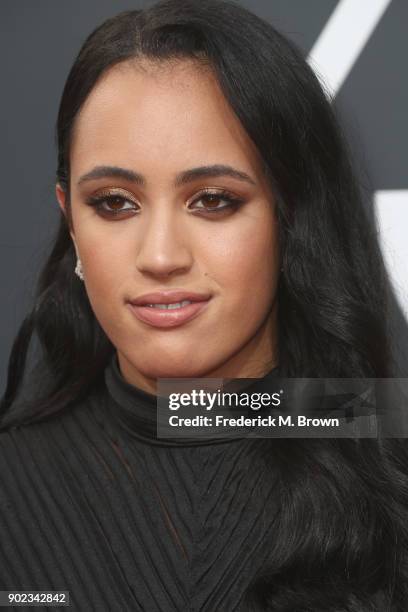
x: 170, y: 296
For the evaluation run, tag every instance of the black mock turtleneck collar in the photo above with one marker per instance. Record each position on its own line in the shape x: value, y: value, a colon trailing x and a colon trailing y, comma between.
x: 136, y: 410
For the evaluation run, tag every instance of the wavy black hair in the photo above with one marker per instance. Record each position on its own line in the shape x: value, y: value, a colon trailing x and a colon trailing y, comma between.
x: 341, y: 504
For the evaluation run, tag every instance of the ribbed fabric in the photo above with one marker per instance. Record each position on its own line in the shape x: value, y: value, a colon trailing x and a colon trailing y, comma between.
x: 91, y: 502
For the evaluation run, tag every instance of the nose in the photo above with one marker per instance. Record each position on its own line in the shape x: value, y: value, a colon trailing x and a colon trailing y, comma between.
x: 163, y: 248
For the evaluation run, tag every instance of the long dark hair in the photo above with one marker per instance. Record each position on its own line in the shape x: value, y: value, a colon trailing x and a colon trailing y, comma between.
x: 333, y: 304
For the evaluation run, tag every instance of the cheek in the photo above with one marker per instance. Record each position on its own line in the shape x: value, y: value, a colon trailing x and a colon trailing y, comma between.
x: 104, y: 260
x: 246, y: 265
x: 102, y: 250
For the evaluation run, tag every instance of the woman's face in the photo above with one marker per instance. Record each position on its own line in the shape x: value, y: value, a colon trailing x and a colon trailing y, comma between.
x: 208, y: 231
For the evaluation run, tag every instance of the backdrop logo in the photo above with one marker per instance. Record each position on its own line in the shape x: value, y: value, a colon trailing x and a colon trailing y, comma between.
x: 332, y: 57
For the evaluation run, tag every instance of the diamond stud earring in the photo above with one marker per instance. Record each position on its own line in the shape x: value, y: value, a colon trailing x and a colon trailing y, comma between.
x: 78, y: 269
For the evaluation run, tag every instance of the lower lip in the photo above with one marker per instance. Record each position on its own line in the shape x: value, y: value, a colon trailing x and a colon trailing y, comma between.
x: 158, y: 317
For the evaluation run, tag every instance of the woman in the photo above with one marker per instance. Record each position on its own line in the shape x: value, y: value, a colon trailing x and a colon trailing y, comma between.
x: 198, y: 153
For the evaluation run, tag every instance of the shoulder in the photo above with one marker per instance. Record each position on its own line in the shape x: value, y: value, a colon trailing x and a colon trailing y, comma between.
x: 19, y: 444
x: 36, y: 457
x: 28, y: 439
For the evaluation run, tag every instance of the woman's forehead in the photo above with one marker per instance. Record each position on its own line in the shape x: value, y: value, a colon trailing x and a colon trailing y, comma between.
x: 160, y: 112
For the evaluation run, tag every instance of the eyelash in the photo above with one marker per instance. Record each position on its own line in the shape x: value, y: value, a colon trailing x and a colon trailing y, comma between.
x: 233, y: 203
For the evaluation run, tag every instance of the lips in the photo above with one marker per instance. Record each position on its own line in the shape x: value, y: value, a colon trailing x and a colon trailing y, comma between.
x: 169, y: 318
x: 157, y: 317
x: 170, y: 296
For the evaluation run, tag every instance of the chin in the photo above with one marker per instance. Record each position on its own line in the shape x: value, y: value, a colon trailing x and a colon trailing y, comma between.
x: 175, y: 369
x: 173, y: 372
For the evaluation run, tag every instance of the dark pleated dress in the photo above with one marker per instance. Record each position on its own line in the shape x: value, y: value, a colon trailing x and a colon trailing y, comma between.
x: 94, y: 503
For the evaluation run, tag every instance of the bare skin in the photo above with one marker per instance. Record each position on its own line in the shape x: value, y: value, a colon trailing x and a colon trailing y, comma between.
x: 158, y: 121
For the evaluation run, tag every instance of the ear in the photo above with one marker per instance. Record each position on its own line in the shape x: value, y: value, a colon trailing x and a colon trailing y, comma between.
x: 61, y: 198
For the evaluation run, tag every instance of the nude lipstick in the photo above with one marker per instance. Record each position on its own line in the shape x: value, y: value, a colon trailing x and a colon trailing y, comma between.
x: 169, y: 308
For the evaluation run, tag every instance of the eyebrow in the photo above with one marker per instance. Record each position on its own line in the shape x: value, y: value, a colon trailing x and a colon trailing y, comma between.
x: 184, y: 177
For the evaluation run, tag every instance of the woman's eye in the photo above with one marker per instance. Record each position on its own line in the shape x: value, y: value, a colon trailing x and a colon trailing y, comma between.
x: 112, y: 204
x: 119, y: 206
x: 217, y: 202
